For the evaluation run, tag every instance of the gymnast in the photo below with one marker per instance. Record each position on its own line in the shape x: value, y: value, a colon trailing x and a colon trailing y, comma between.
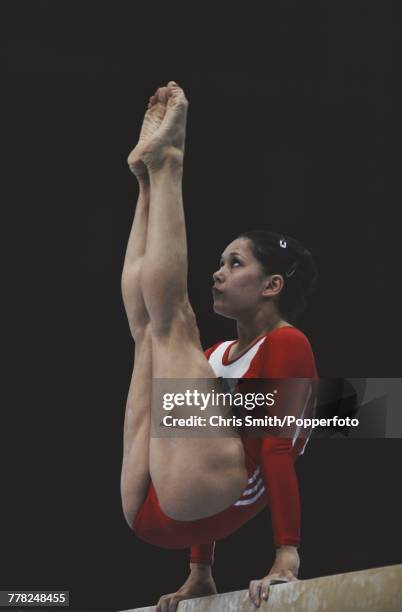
x: 189, y: 491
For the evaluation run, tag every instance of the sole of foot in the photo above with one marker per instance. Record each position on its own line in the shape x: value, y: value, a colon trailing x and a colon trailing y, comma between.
x: 163, y: 131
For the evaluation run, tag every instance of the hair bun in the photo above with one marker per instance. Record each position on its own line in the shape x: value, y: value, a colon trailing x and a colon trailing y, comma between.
x: 310, y: 272
x: 281, y: 254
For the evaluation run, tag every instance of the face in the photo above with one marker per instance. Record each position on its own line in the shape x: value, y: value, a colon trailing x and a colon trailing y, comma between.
x: 240, y: 281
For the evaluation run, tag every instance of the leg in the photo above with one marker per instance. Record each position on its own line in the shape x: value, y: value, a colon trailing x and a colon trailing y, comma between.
x: 135, y: 476
x: 194, y: 477
x: 135, y: 470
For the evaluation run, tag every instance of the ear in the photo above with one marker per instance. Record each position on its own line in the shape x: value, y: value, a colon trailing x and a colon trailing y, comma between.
x: 273, y: 285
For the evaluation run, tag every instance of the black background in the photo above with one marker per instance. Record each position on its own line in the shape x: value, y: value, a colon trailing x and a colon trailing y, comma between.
x: 291, y: 127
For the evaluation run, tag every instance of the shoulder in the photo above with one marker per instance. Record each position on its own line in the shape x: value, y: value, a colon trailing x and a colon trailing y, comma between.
x: 287, y: 337
x: 287, y: 351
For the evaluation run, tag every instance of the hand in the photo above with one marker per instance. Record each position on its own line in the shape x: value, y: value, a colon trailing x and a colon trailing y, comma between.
x: 193, y: 587
x: 284, y: 569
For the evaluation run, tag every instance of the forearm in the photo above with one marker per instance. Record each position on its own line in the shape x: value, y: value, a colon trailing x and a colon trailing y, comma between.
x: 202, y: 556
x: 283, y: 492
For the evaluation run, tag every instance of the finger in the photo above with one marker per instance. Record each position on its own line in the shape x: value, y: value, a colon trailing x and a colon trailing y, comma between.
x: 265, y: 584
x: 165, y: 605
x: 173, y: 604
x: 265, y: 592
x: 256, y: 590
x: 159, y: 607
x: 252, y: 590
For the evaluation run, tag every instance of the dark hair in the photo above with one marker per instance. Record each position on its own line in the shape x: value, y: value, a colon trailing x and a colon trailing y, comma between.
x: 280, y: 254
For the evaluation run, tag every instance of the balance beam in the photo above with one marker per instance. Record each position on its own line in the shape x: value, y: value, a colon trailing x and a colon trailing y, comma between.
x: 373, y: 590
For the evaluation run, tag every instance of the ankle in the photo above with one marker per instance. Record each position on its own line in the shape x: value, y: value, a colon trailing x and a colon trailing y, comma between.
x: 169, y: 160
x: 143, y: 181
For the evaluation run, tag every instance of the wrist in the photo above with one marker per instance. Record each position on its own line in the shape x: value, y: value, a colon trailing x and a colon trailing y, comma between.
x: 200, y: 571
x: 287, y: 554
x: 286, y: 548
x: 287, y: 558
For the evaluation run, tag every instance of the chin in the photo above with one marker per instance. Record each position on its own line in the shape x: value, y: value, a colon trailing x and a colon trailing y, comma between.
x: 220, y: 310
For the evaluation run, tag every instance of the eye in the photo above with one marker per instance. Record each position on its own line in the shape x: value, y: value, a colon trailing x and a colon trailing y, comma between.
x: 233, y: 261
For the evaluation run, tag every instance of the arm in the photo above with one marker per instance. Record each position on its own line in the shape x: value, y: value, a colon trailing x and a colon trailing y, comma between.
x: 280, y: 481
x: 281, y: 484
x: 202, y: 554
x: 288, y: 356
x: 289, y: 364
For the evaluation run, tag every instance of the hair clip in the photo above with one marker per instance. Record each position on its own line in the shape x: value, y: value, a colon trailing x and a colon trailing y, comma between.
x: 292, y: 269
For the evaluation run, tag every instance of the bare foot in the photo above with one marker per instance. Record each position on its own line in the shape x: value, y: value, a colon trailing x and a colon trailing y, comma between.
x: 152, y: 120
x: 167, y: 139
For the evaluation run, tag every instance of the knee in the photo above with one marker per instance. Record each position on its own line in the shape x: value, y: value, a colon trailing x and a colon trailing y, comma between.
x: 161, y: 286
x: 141, y: 331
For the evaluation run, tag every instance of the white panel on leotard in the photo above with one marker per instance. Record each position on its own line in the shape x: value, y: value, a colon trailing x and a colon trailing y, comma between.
x: 239, y: 367
x: 235, y: 370
x: 215, y: 359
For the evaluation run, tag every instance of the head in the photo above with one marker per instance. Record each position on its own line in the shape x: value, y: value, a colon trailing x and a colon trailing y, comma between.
x: 262, y: 270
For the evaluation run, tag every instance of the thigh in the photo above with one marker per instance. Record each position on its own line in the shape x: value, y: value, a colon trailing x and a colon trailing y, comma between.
x: 177, y: 351
x: 194, y: 475
x: 135, y: 476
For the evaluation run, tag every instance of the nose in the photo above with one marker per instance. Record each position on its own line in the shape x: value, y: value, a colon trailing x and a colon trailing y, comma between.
x: 218, y: 276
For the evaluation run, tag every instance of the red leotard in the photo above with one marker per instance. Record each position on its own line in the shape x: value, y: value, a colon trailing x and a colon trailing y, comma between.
x: 282, y: 353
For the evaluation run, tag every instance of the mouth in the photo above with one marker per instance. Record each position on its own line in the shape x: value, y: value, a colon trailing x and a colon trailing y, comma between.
x: 216, y: 291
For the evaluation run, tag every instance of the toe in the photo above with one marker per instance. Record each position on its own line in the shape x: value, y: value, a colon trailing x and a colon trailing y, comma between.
x: 162, y: 95
x: 173, y: 89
